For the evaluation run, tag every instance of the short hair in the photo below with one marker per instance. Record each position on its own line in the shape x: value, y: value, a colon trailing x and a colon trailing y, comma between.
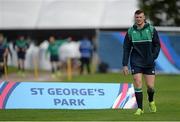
x: 139, y: 12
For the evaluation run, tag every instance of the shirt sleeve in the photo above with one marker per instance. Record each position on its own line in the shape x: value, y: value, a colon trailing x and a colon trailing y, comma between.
x: 6, y: 45
x: 27, y: 45
x: 156, y: 44
x: 126, y: 49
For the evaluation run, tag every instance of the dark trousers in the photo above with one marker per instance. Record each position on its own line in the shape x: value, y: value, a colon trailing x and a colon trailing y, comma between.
x: 86, y: 62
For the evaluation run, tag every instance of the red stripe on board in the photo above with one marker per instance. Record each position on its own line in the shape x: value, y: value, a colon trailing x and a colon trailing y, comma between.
x: 5, y: 92
x: 124, y: 91
x: 166, y: 52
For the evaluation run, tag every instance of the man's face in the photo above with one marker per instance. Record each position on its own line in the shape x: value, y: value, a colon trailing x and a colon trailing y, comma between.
x: 51, y: 39
x: 21, y: 38
x: 139, y: 18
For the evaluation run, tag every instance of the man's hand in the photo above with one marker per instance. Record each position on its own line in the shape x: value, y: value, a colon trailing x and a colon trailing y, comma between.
x: 125, y: 70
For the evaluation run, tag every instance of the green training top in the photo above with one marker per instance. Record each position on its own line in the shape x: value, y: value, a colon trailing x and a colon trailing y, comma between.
x: 21, y: 44
x: 54, y: 47
x: 141, y: 35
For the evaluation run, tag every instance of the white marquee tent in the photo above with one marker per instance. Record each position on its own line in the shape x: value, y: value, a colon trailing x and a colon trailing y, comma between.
x: 35, y: 14
x: 63, y: 14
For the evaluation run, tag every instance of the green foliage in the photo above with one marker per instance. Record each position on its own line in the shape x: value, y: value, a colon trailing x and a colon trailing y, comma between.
x: 162, y: 12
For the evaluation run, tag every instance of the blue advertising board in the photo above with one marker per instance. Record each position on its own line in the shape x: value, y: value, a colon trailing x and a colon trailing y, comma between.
x: 51, y: 95
x: 168, y: 60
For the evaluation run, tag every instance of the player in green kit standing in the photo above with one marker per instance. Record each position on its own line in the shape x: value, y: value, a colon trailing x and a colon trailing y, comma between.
x: 142, y: 45
x: 53, y: 50
x: 21, y: 46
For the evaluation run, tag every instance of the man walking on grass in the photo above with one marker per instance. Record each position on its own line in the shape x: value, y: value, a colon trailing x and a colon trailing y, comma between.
x: 142, y: 45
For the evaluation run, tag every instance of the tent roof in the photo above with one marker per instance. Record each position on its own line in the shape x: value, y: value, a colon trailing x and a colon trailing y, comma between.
x: 20, y: 14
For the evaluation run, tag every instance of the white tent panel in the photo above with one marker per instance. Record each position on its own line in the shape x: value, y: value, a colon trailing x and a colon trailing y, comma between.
x: 119, y: 13
x: 18, y: 14
x: 71, y: 14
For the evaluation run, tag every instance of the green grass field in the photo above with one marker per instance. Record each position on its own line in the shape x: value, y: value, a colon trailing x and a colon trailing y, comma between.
x: 167, y: 99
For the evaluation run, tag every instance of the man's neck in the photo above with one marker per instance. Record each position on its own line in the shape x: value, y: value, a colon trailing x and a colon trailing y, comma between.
x: 140, y: 26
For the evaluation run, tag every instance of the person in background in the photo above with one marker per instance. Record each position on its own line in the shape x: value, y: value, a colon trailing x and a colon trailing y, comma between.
x: 3, y: 54
x: 53, y: 50
x: 86, y: 50
x: 21, y: 46
x: 142, y: 45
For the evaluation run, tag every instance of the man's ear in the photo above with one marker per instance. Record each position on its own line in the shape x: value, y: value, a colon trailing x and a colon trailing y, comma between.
x: 144, y: 18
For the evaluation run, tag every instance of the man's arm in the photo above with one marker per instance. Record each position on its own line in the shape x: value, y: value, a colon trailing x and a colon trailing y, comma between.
x: 27, y: 44
x: 156, y: 44
x: 126, y: 50
x: 5, y: 52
